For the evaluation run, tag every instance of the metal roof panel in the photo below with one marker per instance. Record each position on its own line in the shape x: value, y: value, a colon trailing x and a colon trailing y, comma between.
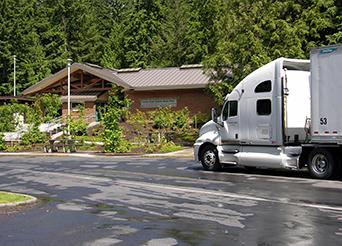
x: 192, y: 76
x: 189, y: 76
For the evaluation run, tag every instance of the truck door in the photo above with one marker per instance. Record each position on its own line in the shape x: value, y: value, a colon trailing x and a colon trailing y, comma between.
x: 229, y: 130
x: 231, y: 122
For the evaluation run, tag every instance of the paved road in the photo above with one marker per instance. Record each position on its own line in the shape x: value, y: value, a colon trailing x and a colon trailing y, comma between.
x: 134, y: 201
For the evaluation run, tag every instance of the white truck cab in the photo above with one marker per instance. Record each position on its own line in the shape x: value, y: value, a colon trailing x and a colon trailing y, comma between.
x: 266, y: 120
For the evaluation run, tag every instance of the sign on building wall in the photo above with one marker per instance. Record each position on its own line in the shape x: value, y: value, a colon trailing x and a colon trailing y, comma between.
x: 158, y: 102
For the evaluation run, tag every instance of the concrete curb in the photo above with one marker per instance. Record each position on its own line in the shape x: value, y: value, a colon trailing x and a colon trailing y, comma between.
x: 169, y: 156
x: 77, y: 154
x: 46, y: 154
x: 13, y: 204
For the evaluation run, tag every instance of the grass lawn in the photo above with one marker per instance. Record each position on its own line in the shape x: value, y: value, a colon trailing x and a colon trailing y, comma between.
x: 9, y: 197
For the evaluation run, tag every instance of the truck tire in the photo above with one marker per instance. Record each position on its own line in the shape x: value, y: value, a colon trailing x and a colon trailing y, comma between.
x: 321, y: 164
x: 209, y: 158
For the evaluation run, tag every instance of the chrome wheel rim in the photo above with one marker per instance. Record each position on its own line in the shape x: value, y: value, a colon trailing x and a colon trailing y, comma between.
x: 320, y: 163
x: 209, y: 158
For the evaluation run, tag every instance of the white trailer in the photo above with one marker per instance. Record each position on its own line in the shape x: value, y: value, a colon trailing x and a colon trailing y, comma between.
x: 285, y: 114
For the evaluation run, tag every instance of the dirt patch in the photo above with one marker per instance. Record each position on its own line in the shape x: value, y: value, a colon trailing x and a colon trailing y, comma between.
x: 40, y: 202
x: 18, y: 208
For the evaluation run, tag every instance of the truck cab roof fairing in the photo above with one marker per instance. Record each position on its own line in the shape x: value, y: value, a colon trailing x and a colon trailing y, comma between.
x: 289, y: 64
x: 296, y: 64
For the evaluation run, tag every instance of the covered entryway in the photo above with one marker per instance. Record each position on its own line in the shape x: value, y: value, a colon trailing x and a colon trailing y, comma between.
x: 88, y: 88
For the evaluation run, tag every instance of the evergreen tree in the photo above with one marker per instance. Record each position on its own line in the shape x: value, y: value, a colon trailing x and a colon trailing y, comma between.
x: 171, y: 46
x: 141, y: 30
x: 201, y: 36
x: 116, y: 12
x: 18, y: 32
x: 253, y: 33
x: 242, y: 34
x: 113, y: 55
x: 85, y: 36
x: 6, y: 46
x: 53, y: 33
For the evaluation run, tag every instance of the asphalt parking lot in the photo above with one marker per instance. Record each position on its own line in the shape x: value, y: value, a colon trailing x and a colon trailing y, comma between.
x: 165, y: 201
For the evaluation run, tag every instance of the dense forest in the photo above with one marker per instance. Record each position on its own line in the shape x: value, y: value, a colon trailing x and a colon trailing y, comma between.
x: 242, y: 34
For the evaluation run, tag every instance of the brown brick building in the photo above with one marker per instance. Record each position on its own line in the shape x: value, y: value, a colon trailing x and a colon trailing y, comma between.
x: 194, y: 99
x: 172, y: 87
x: 148, y: 89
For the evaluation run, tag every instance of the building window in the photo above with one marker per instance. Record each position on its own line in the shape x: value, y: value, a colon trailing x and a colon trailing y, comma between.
x: 263, y: 107
x: 265, y: 86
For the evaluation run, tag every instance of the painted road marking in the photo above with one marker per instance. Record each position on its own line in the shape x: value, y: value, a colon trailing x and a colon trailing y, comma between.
x: 74, y: 176
x: 194, y: 168
x: 191, y: 190
x: 227, y: 194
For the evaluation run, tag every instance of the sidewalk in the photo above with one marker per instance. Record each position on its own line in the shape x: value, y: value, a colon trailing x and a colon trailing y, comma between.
x: 47, y: 154
x: 185, y: 153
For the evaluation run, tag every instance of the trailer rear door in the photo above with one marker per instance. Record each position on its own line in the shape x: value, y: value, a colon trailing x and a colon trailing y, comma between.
x: 326, y: 94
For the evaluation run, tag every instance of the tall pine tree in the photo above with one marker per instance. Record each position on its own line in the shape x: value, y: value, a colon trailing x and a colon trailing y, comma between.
x: 142, y: 28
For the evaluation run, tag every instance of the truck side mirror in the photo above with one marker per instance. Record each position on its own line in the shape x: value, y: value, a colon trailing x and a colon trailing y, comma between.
x: 214, y: 115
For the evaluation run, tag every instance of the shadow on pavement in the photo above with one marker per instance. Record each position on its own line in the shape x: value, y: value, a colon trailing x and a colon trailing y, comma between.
x: 263, y: 172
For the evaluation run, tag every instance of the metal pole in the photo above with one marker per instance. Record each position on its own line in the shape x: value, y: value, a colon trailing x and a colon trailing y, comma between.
x: 14, y: 76
x: 69, y: 106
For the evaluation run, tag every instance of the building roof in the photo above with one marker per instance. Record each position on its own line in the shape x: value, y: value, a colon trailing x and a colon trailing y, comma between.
x: 103, y: 73
x: 184, y: 77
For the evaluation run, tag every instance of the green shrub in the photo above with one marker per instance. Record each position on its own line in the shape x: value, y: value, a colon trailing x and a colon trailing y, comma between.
x: 163, y: 118
x: 200, y: 119
x: 78, y: 127
x: 186, y: 135
x: 12, y: 148
x: 150, y: 148
x: 113, y: 135
x: 33, y: 136
x: 96, y: 131
x: 8, y: 121
x: 48, y: 106
x: 181, y: 118
x: 169, y: 147
x: 2, y: 142
x: 138, y: 119
x: 162, y: 125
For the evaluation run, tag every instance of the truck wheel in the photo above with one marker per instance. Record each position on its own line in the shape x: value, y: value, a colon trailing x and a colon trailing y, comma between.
x: 209, y: 158
x: 321, y: 164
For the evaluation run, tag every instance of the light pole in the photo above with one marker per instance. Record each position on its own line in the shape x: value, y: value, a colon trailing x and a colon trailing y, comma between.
x: 69, y: 106
x: 14, y: 78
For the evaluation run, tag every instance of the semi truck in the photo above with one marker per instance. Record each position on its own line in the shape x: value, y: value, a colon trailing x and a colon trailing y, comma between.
x: 285, y: 114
